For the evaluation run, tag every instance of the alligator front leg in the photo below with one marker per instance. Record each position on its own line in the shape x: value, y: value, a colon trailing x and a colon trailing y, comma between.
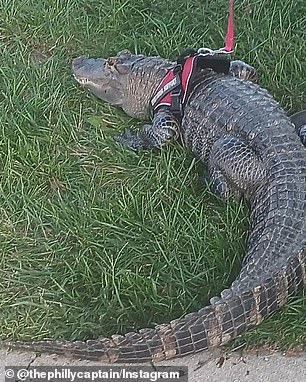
x: 234, y: 167
x: 163, y: 129
x: 243, y: 70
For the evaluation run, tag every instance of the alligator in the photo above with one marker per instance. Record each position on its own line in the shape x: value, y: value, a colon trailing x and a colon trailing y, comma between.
x: 250, y: 148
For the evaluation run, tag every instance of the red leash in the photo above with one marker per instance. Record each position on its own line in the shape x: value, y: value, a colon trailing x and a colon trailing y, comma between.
x: 229, y: 39
x: 175, y: 86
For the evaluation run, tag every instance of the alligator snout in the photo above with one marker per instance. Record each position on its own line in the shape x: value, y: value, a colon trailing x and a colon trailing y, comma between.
x: 88, y: 68
x: 78, y: 62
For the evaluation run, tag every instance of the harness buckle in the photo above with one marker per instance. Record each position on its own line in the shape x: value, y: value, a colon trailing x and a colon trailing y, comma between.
x: 176, y: 103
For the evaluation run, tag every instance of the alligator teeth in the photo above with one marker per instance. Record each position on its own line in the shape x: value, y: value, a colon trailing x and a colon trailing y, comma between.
x: 82, y: 81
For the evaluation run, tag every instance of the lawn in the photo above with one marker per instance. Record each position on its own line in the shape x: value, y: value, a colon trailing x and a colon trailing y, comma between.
x: 96, y: 239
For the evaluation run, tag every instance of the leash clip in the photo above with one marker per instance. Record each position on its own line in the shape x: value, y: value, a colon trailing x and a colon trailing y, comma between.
x: 211, y: 52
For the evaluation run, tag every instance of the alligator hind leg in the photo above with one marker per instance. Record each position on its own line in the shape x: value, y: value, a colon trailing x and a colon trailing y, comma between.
x: 235, y: 167
x: 302, y: 134
x: 216, y: 182
x: 242, y: 70
x: 221, y: 186
x: 299, y: 121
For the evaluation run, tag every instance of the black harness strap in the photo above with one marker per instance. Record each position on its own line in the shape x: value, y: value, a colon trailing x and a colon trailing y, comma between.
x: 218, y: 64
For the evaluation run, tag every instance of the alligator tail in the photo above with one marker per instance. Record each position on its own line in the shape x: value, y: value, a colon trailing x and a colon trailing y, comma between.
x: 214, y: 325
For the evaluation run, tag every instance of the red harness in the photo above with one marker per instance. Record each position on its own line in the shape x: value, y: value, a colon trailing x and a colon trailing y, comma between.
x: 178, y: 83
x: 178, y: 77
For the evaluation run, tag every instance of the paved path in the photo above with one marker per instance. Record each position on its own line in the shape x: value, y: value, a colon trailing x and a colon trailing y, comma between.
x: 251, y: 367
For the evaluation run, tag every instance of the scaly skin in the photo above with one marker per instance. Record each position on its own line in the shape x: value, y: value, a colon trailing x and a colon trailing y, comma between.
x: 250, y: 147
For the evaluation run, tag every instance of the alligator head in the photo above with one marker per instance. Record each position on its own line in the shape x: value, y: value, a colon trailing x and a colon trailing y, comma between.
x: 126, y: 80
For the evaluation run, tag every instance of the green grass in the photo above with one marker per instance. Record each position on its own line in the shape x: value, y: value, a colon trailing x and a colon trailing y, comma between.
x: 96, y: 239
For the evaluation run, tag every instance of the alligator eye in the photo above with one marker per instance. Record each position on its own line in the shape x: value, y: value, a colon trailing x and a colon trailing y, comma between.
x: 111, y: 64
x: 111, y: 61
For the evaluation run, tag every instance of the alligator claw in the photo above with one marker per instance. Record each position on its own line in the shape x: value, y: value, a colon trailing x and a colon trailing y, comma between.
x: 129, y: 139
